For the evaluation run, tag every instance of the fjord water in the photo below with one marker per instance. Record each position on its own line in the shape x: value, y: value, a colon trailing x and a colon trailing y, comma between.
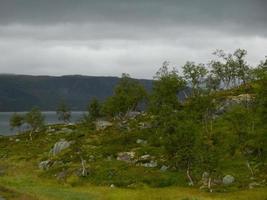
x: 50, y: 118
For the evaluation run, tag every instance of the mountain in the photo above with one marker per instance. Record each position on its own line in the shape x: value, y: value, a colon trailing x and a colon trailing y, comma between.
x: 22, y: 92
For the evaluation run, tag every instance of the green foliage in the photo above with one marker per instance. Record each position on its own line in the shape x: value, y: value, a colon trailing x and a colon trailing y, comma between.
x: 167, y: 83
x: 127, y: 95
x: 231, y: 69
x: 194, y: 74
x: 16, y: 121
x: 63, y: 112
x: 35, y: 119
x: 94, y: 109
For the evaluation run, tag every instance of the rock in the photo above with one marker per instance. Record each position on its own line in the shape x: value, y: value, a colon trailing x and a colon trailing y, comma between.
x: 102, y: 125
x: 132, y: 114
x: 145, y: 157
x: 151, y: 164
x: 112, y: 186
x: 228, y: 180
x: 126, y: 156
x: 17, y: 140
x: 59, y: 146
x: 253, y: 185
x: 50, y: 130
x: 234, y: 100
x: 144, y: 125
x: 140, y: 141
x: 164, y: 168
x: 44, y: 165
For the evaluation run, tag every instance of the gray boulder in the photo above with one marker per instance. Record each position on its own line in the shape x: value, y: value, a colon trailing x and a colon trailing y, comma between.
x: 44, y: 165
x: 59, y: 146
x: 132, y: 114
x: 126, y: 156
x: 140, y: 141
x: 254, y: 185
x: 102, y: 125
x: 151, y: 164
x: 164, y: 168
x: 228, y: 180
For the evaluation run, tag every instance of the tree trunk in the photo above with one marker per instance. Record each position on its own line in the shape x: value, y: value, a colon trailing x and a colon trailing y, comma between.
x: 209, y: 184
x: 191, y: 183
x: 250, y: 169
x: 83, y: 167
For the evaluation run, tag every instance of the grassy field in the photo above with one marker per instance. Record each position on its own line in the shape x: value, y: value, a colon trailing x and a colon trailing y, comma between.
x: 21, y: 179
x: 50, y: 190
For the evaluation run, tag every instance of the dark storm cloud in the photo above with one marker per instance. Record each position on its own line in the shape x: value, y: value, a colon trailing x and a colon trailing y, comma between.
x: 108, y: 37
x: 250, y: 15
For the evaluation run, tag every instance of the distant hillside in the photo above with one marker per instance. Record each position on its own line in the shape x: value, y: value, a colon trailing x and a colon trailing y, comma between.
x: 22, y: 92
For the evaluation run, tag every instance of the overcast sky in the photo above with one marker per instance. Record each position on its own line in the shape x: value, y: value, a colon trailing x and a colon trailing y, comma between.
x: 109, y: 37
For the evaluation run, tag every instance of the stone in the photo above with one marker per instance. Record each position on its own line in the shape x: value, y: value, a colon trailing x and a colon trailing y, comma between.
x: 228, y: 180
x: 144, y: 157
x: 126, y: 156
x: 60, y: 146
x: 17, y: 140
x: 102, y: 125
x: 50, y: 130
x: 112, y: 186
x: 44, y: 165
x: 140, y: 141
x: 144, y: 125
x: 151, y: 164
x: 132, y: 114
x: 164, y: 168
x: 253, y: 185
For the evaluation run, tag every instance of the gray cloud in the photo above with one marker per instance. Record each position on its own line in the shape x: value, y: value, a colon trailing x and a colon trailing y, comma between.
x: 109, y: 37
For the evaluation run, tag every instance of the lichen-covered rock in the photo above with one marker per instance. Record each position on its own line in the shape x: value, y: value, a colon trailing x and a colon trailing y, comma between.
x: 150, y: 164
x: 59, y: 146
x: 44, y: 165
x: 132, y: 114
x: 102, y: 125
x: 254, y: 185
x: 126, y: 156
x: 145, y: 157
x: 228, y: 180
x: 140, y: 141
x: 164, y: 168
x: 234, y: 100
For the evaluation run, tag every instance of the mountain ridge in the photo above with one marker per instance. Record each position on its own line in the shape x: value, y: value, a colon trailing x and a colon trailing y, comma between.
x: 19, y: 92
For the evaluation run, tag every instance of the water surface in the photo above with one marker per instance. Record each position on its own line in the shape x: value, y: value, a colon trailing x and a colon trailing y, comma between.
x: 50, y: 118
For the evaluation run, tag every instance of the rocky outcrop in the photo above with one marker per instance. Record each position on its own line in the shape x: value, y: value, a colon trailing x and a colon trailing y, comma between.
x: 59, y: 146
x: 242, y: 99
x: 126, y: 156
x: 228, y: 180
x: 102, y: 125
x: 141, y: 141
x: 45, y: 165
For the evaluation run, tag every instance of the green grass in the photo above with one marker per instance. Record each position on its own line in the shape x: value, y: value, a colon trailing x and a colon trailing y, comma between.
x: 44, y: 189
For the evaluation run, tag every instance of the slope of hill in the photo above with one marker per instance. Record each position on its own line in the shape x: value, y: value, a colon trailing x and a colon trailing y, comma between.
x: 22, y: 92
